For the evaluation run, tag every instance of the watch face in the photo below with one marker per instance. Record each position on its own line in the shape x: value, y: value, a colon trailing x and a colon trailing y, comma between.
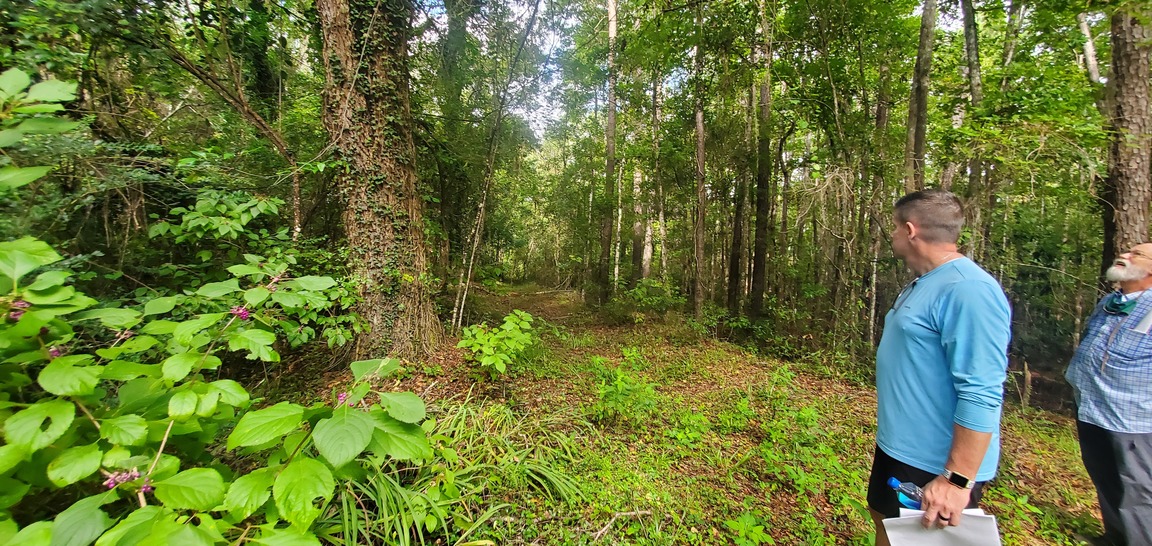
x: 958, y: 479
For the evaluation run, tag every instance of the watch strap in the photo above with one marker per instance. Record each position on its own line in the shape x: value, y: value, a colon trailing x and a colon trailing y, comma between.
x: 959, y: 480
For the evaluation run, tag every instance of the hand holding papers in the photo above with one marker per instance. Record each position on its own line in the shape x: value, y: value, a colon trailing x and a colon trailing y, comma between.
x: 976, y: 529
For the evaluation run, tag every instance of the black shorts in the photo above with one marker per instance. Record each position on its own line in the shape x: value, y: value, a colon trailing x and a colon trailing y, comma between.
x: 882, y: 498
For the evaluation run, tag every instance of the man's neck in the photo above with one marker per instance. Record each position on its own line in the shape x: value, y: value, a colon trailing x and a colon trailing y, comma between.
x: 931, y: 257
x: 1130, y: 287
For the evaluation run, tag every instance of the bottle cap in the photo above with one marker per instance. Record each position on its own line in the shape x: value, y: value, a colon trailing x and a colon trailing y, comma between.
x: 893, y: 483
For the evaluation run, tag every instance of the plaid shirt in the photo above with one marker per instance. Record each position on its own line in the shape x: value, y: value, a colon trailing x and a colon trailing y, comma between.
x: 1111, y: 372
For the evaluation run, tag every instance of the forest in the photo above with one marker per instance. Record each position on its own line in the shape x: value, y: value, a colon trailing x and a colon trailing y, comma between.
x: 480, y: 272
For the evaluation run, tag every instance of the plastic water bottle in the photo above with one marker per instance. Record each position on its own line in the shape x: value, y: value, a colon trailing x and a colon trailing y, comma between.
x: 908, y: 493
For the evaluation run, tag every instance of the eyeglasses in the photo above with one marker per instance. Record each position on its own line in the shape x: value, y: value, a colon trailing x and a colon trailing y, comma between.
x: 900, y: 298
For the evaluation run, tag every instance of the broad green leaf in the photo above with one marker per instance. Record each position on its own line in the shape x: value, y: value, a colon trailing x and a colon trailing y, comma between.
x: 49, y: 296
x: 38, y: 109
x: 256, y: 296
x: 36, y: 427
x: 12, y: 491
x: 124, y: 370
x: 160, y: 327
x: 217, y: 289
x: 379, y: 366
x: 207, y: 403
x: 8, y: 530
x: 126, y: 430
x: 178, y: 366
x: 132, y: 529
x: 37, y: 534
x: 231, y: 392
x: 344, y: 436
x: 240, y: 270
x: 262, y: 426
x: 75, y: 464
x: 10, y: 456
x: 298, y: 486
x: 13, y: 81
x: 287, y: 537
x: 49, y: 279
x: 257, y: 342
x: 118, y: 319
x: 403, y: 441
x: 185, y: 331
x: 9, y: 137
x: 82, y: 522
x: 161, y: 305
x: 63, y: 377
x: 404, y: 406
x: 193, y: 489
x: 116, y: 457
x: 22, y: 256
x: 311, y: 283
x: 46, y: 126
x: 288, y: 300
x: 182, y: 405
x: 52, y: 91
x: 248, y: 493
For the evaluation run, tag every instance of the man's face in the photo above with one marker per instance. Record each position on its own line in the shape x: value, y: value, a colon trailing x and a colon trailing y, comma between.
x: 900, y: 235
x: 1133, y: 265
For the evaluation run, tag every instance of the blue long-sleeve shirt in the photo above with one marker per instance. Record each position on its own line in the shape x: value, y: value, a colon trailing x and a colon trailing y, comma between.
x: 942, y: 361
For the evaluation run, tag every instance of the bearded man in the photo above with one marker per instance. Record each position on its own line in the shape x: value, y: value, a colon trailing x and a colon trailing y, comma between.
x: 1111, y: 377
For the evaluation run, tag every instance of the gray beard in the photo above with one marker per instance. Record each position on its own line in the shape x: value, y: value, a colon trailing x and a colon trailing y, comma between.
x: 1123, y: 274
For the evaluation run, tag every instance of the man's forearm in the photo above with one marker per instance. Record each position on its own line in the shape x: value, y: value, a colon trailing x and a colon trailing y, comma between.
x: 968, y: 449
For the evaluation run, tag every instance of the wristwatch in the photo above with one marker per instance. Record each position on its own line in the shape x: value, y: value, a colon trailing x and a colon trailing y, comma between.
x: 959, y: 480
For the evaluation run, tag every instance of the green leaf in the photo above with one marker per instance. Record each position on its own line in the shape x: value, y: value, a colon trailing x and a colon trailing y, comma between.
x: 49, y: 279
x: 37, y: 534
x: 217, y: 289
x: 256, y: 296
x: 404, y: 406
x: 12, y: 491
x: 82, y: 522
x: 344, y: 436
x: 10, y: 456
x: 182, y: 405
x: 9, y: 137
x: 178, y: 366
x: 248, y: 493
x: 379, y: 366
x: 160, y: 327
x: 132, y: 529
x: 8, y: 530
x: 36, y: 427
x: 38, y: 109
x: 63, y: 377
x: 287, y: 537
x: 118, y: 319
x: 403, y: 441
x: 298, y: 486
x: 288, y: 300
x: 240, y: 270
x: 231, y: 392
x: 124, y: 370
x: 46, y: 126
x: 310, y: 283
x: 49, y: 296
x: 262, y: 426
x: 185, y: 331
x: 24, y: 255
x: 52, y: 91
x: 161, y: 305
x: 75, y: 464
x: 13, y: 81
x: 126, y: 430
x: 193, y: 489
x: 255, y: 341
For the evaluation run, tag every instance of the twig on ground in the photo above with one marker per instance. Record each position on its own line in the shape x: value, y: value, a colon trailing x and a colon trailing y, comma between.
x: 618, y: 515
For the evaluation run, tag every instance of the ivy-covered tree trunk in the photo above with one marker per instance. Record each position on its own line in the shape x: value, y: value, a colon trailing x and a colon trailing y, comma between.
x: 367, y: 114
x: 1130, y: 158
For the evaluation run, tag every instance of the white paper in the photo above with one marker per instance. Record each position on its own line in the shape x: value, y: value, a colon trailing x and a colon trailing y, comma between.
x: 975, y: 529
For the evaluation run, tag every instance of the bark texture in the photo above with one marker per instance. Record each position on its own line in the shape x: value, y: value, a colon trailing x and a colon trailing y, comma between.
x: 918, y: 105
x: 367, y: 114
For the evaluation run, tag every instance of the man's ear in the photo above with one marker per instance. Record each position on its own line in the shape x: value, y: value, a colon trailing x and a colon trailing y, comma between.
x: 913, y: 231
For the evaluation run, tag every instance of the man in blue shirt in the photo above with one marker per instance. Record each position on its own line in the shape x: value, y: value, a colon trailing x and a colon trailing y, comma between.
x: 940, y: 369
x: 1111, y: 377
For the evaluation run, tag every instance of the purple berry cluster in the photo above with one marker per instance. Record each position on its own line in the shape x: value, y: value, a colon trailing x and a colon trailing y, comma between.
x: 242, y: 312
x: 117, y: 478
x: 17, y: 309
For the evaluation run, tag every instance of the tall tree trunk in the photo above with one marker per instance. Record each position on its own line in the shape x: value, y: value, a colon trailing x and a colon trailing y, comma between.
x: 918, y: 103
x: 736, y: 251
x: 603, y: 289
x: 657, y: 82
x: 1011, y: 36
x: 1130, y: 158
x: 976, y: 96
x: 763, y: 170
x: 367, y: 113
x: 638, y: 223
x: 1092, y: 65
x: 698, y: 270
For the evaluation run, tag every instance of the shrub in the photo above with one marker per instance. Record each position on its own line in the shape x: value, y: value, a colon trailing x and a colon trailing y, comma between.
x: 493, y: 349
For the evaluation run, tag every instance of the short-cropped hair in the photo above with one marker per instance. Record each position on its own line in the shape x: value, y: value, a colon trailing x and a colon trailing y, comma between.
x: 937, y: 214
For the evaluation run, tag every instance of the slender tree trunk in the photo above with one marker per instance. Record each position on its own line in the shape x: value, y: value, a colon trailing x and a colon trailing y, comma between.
x: 603, y: 290
x: 701, y: 196
x: 1130, y: 158
x: 638, y: 223
x: 918, y: 103
x: 976, y: 97
x: 763, y: 170
x: 1011, y: 36
x: 617, y: 234
x: 657, y: 82
x: 367, y: 113
x: 736, y: 252
x: 1092, y: 65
